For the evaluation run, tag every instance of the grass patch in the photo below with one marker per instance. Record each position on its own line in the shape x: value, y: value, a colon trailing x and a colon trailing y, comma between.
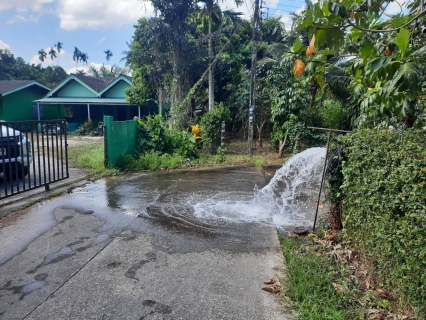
x: 87, y: 156
x: 91, y: 158
x: 55, y: 194
x: 310, y: 284
x: 149, y: 161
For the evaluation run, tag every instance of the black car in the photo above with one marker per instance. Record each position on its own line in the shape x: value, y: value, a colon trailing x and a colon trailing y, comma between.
x: 15, y: 153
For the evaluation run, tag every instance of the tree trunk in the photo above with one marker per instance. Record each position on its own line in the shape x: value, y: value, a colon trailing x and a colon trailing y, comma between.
x: 259, y: 132
x: 314, y: 89
x: 281, y: 147
x: 160, y: 101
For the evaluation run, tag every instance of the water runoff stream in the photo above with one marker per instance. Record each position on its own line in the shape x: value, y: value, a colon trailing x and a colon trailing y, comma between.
x: 206, y: 199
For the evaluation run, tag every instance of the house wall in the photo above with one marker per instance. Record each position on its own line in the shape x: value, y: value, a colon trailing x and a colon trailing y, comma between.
x: 75, y: 90
x: 1, y: 108
x: 18, y: 106
x: 117, y: 91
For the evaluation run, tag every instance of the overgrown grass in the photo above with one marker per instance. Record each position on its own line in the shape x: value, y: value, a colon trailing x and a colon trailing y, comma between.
x: 90, y: 157
x: 149, y: 161
x: 309, y: 282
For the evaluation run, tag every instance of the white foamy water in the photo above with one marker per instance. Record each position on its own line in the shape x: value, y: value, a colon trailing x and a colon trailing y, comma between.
x: 288, y: 200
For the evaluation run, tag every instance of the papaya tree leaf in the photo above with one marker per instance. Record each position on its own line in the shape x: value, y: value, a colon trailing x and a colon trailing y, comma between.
x: 421, y: 53
x: 409, y: 76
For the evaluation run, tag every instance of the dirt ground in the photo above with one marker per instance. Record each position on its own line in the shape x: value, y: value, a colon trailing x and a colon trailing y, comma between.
x: 74, y: 140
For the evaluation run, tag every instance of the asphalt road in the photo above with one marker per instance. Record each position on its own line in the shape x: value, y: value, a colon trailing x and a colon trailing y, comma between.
x: 134, y: 248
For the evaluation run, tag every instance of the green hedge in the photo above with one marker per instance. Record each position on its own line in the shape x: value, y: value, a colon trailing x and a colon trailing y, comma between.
x: 384, y: 207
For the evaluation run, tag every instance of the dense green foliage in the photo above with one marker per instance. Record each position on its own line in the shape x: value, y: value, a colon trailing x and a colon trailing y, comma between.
x: 380, y: 60
x: 88, y: 129
x: 155, y: 136
x: 158, y: 147
x: 12, y: 68
x: 211, y: 127
x: 384, y: 199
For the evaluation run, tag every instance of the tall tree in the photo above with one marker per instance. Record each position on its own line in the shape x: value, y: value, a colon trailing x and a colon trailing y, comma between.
x: 52, y: 54
x: 213, y: 11
x: 76, y: 56
x: 58, y: 46
x: 42, y: 55
x: 109, y: 54
x: 84, y: 57
x: 175, y: 33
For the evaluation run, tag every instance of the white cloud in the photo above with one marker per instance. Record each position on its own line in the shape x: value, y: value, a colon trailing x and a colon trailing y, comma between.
x: 95, y: 14
x: 22, y: 5
x: 19, y: 18
x: 393, y: 8
x: 4, y: 45
x: 85, y: 68
x: 246, y: 8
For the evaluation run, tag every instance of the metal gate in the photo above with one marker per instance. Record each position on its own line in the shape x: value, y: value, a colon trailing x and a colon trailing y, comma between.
x: 33, y: 154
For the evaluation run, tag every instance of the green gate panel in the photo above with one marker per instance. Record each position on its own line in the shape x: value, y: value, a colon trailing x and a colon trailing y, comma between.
x: 120, y: 139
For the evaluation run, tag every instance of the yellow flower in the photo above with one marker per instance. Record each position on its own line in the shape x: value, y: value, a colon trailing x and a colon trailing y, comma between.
x: 196, y: 132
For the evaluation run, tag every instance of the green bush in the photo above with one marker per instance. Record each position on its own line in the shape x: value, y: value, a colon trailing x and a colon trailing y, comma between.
x: 333, y: 115
x: 154, y: 135
x: 87, y: 129
x: 211, y: 124
x: 384, y: 186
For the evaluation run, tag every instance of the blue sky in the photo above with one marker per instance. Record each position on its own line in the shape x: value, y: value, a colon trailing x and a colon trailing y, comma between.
x: 94, y: 26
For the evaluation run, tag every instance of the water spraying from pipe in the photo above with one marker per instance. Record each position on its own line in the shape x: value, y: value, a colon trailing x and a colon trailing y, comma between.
x: 288, y: 200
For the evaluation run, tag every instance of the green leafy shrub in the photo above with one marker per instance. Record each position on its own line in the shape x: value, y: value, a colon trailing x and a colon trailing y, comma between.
x: 87, y: 129
x: 333, y: 115
x: 211, y: 123
x: 154, y: 135
x: 384, y: 186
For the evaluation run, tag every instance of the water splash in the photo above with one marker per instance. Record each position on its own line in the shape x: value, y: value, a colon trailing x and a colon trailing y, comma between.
x: 288, y: 200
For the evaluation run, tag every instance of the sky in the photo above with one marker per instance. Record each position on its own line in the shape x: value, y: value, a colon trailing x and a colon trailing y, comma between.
x: 93, y: 26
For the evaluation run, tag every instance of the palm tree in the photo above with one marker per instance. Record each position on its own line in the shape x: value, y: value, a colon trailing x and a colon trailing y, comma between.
x: 76, y: 56
x: 84, y: 57
x: 58, y: 47
x: 42, y: 55
x: 109, y: 54
x: 52, y: 54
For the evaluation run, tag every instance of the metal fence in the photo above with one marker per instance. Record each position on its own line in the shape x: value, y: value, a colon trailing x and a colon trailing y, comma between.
x: 33, y: 154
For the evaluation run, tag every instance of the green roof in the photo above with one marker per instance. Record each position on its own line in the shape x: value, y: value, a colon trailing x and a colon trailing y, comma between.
x: 100, y: 101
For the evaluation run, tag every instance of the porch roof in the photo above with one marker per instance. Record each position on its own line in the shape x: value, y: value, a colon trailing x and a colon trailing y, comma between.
x: 93, y: 101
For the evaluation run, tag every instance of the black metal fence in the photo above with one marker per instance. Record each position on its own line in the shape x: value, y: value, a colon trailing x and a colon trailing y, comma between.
x: 33, y: 154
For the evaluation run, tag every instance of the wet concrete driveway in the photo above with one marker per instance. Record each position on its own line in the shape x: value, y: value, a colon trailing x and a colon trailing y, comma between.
x: 142, y: 247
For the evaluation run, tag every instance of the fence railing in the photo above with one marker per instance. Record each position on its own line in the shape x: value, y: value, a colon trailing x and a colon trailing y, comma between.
x: 33, y: 154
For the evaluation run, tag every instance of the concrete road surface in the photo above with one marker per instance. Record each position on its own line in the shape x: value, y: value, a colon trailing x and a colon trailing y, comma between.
x: 135, y: 248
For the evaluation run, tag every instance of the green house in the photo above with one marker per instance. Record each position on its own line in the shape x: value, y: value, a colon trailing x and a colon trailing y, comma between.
x: 17, y: 101
x: 82, y: 98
